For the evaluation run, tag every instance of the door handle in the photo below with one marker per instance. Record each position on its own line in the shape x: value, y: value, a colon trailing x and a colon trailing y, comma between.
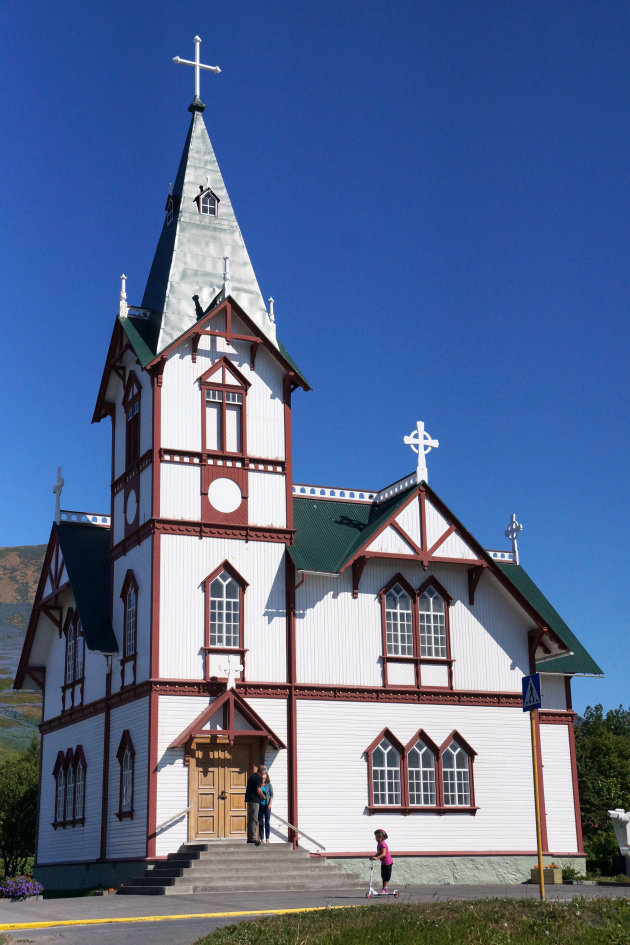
x: 222, y: 796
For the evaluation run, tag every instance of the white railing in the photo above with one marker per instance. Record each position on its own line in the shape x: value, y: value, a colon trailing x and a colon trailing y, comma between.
x: 297, y: 830
x: 172, y: 819
x: 501, y: 555
x: 396, y: 487
x: 325, y: 492
x: 86, y: 518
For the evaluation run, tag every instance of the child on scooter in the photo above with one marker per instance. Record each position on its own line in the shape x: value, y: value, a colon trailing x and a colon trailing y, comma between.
x: 383, y: 854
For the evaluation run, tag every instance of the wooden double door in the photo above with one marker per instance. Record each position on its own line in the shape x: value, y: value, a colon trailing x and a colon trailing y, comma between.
x: 218, y: 774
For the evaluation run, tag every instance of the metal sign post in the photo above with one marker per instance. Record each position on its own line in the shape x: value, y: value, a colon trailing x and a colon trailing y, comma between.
x: 531, y: 703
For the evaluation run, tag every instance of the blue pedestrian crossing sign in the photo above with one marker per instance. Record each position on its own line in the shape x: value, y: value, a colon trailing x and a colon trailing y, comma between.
x: 531, y: 692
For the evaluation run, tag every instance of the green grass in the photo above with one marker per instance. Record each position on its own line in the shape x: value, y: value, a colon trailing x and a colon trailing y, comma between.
x: 486, y: 922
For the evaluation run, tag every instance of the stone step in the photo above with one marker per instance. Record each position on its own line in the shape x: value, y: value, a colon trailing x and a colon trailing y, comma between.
x: 226, y: 885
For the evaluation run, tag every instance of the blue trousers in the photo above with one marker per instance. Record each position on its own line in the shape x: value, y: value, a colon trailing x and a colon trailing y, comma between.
x: 264, y: 816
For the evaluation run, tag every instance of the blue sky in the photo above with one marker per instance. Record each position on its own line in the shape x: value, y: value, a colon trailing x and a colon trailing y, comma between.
x: 436, y: 194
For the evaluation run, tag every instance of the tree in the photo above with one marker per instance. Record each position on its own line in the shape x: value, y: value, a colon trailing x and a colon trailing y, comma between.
x: 19, y: 779
x: 602, y: 746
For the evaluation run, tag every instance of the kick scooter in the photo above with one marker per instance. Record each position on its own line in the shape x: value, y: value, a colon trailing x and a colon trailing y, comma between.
x: 374, y: 892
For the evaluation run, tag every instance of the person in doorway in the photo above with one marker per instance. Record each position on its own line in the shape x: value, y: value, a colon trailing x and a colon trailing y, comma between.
x: 264, y: 810
x: 383, y: 854
x: 253, y: 794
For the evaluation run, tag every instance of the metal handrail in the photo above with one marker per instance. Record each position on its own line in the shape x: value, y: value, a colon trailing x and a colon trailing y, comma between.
x: 173, y: 819
x: 297, y: 830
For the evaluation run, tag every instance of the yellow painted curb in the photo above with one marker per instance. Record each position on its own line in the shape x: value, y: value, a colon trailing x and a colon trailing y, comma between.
x: 16, y: 926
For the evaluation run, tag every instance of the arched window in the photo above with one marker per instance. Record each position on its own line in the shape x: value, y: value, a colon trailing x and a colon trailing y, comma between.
x: 70, y: 793
x: 225, y: 619
x: 421, y: 775
x: 79, y: 784
x: 131, y: 405
x: 126, y: 759
x: 385, y: 775
x: 129, y: 597
x: 207, y: 202
x: 74, y: 649
x: 398, y: 622
x: 60, y: 807
x: 456, y: 781
x: 69, y: 774
x: 432, y: 621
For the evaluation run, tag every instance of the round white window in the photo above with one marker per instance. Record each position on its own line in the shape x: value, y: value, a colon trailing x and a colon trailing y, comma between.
x: 224, y: 495
x: 132, y: 507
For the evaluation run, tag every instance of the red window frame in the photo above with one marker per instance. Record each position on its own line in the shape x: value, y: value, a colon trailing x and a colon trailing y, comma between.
x: 236, y: 650
x: 128, y: 659
x: 405, y: 807
x: 72, y: 688
x: 214, y: 379
x: 131, y: 406
x: 126, y: 743
x: 70, y: 760
x: 432, y: 582
x: 199, y: 201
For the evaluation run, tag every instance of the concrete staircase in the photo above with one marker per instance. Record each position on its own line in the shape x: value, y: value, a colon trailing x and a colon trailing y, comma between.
x: 236, y: 866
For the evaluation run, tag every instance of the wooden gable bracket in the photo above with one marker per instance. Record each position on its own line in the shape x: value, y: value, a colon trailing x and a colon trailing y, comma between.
x: 357, y: 570
x: 474, y: 574
x: 196, y: 338
x: 37, y: 674
x: 253, y: 352
x: 49, y: 610
x: 535, y: 638
x: 157, y: 371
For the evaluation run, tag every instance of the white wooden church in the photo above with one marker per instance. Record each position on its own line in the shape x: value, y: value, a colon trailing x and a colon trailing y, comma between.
x: 362, y: 644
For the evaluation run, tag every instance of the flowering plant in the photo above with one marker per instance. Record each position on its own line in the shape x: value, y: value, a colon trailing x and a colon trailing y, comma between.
x: 19, y: 887
x: 551, y: 866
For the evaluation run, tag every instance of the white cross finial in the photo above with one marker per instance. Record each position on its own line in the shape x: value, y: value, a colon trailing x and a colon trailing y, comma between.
x: 58, y: 486
x: 512, y: 532
x: 122, y: 304
x: 421, y: 443
x: 197, y: 65
x: 230, y: 671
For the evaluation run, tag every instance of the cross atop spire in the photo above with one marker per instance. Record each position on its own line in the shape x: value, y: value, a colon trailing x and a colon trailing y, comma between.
x: 197, y: 65
x: 421, y: 443
x: 512, y: 532
x: 58, y: 486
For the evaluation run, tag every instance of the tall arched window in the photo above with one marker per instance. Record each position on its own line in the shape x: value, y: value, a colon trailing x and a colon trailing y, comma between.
x: 432, y: 619
x: 421, y: 775
x: 126, y: 756
x: 225, y: 617
x: 131, y: 405
x: 398, y: 622
x: 385, y: 774
x: 224, y: 391
x: 456, y: 776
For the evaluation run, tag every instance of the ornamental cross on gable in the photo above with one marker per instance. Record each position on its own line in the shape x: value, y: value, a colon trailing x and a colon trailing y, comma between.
x: 512, y: 532
x: 197, y: 65
x: 58, y: 486
x: 230, y: 671
x: 421, y: 443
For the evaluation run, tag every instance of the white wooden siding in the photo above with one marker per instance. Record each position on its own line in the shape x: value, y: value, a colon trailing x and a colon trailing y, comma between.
x: 339, y: 638
x: 556, y: 761
x: 435, y: 522
x: 138, y: 560
x: 390, y: 542
x: 454, y: 547
x: 72, y: 844
x: 274, y: 713
x: 553, y: 692
x: 128, y: 838
x: 434, y: 674
x: 265, y: 408
x: 267, y: 500
x: 409, y: 521
x: 401, y: 674
x: 180, y: 491
x: 332, y: 739
x: 185, y: 562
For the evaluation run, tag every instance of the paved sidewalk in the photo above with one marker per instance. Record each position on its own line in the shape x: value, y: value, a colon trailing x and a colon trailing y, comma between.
x: 181, y: 920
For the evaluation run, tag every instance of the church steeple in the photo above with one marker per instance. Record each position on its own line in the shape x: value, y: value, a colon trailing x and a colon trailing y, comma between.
x: 200, y: 231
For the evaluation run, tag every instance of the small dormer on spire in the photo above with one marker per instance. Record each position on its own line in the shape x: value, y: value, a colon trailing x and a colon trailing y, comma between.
x: 197, y: 104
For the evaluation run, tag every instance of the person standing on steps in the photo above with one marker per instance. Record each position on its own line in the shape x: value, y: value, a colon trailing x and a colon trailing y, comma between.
x: 253, y: 795
x: 264, y: 811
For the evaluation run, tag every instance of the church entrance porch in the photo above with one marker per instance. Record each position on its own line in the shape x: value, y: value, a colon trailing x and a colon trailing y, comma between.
x: 218, y: 773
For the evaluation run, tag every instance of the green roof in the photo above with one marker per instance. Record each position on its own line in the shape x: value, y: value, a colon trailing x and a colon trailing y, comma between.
x: 579, y: 661
x: 328, y: 533
x: 85, y: 550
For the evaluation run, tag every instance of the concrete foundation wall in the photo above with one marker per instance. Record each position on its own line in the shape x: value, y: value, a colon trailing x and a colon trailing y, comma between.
x: 89, y: 875
x: 460, y: 870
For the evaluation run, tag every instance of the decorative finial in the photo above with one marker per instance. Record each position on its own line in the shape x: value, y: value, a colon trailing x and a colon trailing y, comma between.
x: 421, y: 443
x: 512, y: 532
x: 122, y: 305
x: 58, y: 486
x: 227, y: 281
x: 197, y: 67
x: 272, y: 317
x: 208, y: 182
x: 230, y: 671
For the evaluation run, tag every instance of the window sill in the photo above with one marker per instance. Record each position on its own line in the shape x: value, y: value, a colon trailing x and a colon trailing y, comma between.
x: 79, y: 822
x: 371, y: 809
x: 124, y: 815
